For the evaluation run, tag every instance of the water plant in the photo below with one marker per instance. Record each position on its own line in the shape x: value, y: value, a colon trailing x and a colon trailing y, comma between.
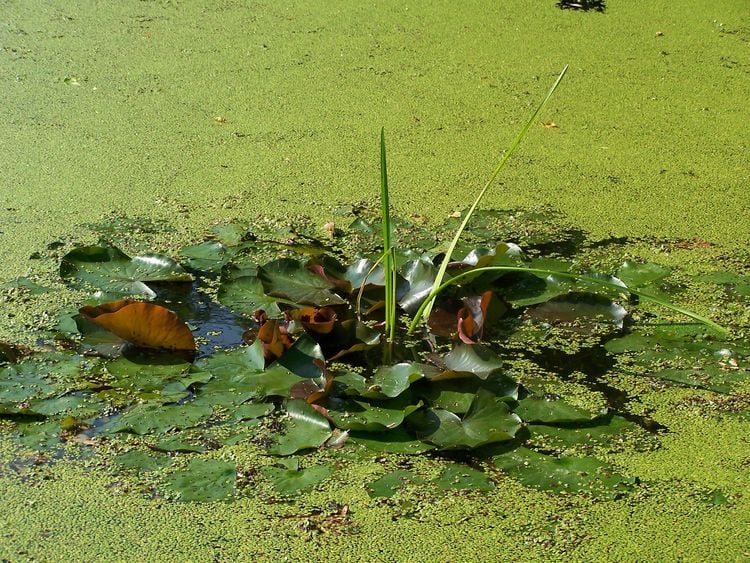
x: 281, y: 340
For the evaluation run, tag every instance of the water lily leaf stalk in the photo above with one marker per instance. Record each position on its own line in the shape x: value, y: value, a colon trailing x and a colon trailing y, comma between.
x: 579, y: 277
x: 425, y: 312
x: 389, y: 264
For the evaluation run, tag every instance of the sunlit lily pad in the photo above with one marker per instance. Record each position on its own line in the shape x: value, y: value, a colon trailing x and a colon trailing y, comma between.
x: 462, y: 477
x: 156, y: 417
x: 563, y: 474
x: 489, y: 420
x: 396, y: 441
x: 389, y: 484
x: 113, y: 271
x: 210, y: 255
x: 304, y: 428
x: 204, y: 480
x: 290, y: 280
x: 370, y: 415
x: 551, y: 411
x: 246, y: 295
x: 476, y: 359
x: 290, y: 481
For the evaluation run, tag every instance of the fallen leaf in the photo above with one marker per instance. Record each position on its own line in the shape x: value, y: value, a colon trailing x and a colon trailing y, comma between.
x: 144, y: 324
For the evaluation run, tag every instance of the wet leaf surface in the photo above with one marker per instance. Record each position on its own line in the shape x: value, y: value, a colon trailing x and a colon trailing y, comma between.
x: 304, y: 428
x: 112, y: 271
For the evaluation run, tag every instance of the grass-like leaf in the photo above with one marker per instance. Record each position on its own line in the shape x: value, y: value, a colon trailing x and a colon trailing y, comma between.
x: 389, y: 264
x: 425, y: 312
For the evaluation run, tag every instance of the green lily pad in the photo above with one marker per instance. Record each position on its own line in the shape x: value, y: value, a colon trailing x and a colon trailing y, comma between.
x: 551, y: 411
x: 250, y: 411
x: 210, y: 256
x: 246, y: 295
x: 489, y: 420
x: 204, y: 480
x: 370, y: 415
x: 155, y: 417
x: 563, y: 474
x: 113, y: 271
x: 304, y: 428
x: 473, y: 358
x: 421, y: 275
x: 389, y: 484
x: 574, y: 306
x: 287, y: 481
x: 141, y: 461
x: 290, y: 280
x: 396, y: 441
x: 549, y: 436
x: 639, y: 275
x: 462, y: 477
x: 456, y: 394
x: 391, y: 381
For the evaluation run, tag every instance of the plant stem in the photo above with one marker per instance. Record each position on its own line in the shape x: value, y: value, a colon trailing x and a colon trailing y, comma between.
x: 467, y: 218
x: 537, y: 271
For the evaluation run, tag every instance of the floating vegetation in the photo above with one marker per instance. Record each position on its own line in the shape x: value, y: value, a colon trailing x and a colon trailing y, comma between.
x: 371, y: 337
x: 510, y: 375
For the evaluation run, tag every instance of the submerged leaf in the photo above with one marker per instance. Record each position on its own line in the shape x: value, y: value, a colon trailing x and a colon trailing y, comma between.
x: 143, y: 324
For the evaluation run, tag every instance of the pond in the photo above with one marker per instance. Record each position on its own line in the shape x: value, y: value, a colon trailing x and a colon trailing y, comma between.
x: 226, y: 136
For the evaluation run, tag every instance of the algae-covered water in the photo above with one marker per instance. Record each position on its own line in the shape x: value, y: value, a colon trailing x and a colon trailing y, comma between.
x: 162, y: 118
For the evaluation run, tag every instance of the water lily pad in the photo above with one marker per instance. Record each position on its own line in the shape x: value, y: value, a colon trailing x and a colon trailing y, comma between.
x: 287, y: 481
x: 563, y: 437
x: 475, y: 358
x: 391, y: 381
x: 204, y: 480
x: 304, y: 428
x: 462, y: 477
x: 155, y: 417
x: 489, y: 420
x: 252, y: 410
x: 551, y: 411
x: 113, y: 271
x: 457, y: 393
x: 143, y: 324
x: 210, y: 256
x: 576, y: 306
x: 370, y: 415
x: 141, y: 461
x: 640, y: 275
x: 246, y: 295
x: 389, y: 484
x: 290, y: 280
x: 563, y: 474
x: 396, y: 441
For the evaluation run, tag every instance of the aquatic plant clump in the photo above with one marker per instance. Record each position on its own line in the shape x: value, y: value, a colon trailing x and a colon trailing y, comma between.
x: 291, y: 357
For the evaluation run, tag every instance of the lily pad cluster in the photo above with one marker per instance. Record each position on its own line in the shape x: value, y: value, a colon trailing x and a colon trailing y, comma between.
x: 307, y: 366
